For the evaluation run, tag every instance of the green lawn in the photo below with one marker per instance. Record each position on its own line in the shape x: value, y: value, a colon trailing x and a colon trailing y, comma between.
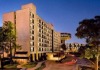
x: 41, y: 67
x: 29, y: 65
x: 11, y: 66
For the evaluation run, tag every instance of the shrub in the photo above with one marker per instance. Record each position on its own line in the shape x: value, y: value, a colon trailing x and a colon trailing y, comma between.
x: 11, y: 66
x: 30, y: 65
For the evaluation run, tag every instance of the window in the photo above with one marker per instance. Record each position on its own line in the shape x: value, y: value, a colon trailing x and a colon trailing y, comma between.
x: 32, y: 15
x: 39, y: 49
x: 33, y: 43
x: 42, y: 49
x: 32, y: 49
x: 39, y: 44
x: 42, y: 27
x: 39, y: 21
x: 39, y: 26
x: 39, y: 35
x: 42, y: 32
x: 32, y: 21
x: 32, y: 37
x: 56, y: 55
x: 42, y: 45
x: 39, y: 30
x: 42, y: 23
x: 39, y: 40
x: 32, y: 32
x: 33, y: 26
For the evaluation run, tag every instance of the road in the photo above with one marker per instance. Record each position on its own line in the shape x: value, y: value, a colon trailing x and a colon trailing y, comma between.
x: 52, y: 65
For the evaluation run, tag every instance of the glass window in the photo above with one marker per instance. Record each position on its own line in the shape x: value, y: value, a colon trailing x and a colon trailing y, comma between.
x: 33, y: 26
x: 32, y: 21
x: 33, y: 43
x: 32, y: 49
x: 39, y: 30
x: 32, y: 15
x: 32, y: 37
x: 39, y: 44
x: 42, y: 49
x: 39, y: 35
x: 39, y: 21
x: 32, y: 32
x: 42, y: 23
x: 39, y: 49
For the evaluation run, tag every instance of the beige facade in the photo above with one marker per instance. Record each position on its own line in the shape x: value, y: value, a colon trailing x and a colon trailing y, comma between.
x: 56, y: 41
x: 36, y: 36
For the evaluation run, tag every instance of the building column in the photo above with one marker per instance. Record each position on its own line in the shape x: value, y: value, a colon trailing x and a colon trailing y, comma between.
x: 33, y: 57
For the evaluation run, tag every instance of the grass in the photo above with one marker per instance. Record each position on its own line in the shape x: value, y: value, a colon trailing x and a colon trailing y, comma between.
x: 29, y: 65
x: 41, y: 67
x: 11, y: 66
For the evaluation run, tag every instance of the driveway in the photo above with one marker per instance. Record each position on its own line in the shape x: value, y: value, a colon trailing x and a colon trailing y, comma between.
x: 52, y: 65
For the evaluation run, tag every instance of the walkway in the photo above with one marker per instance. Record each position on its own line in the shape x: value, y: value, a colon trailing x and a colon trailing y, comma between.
x: 85, y: 62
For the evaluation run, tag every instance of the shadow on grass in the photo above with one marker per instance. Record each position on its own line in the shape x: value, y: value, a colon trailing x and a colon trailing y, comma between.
x: 43, y: 65
x: 30, y: 65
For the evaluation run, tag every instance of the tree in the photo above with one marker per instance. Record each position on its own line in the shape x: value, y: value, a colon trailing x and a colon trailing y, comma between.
x: 89, y: 29
x: 63, y: 46
x: 1, y: 39
x: 70, y: 47
x: 9, y: 37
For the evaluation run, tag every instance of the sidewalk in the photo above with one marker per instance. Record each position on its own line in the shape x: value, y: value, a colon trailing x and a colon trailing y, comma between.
x: 85, y: 62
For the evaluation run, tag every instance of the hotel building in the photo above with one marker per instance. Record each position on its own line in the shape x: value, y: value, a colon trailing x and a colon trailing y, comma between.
x: 35, y: 36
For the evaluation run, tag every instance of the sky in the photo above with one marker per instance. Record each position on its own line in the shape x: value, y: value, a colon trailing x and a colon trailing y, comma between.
x: 65, y: 15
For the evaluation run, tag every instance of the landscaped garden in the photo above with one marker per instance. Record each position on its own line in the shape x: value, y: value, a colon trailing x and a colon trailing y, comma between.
x: 11, y: 66
x: 30, y: 65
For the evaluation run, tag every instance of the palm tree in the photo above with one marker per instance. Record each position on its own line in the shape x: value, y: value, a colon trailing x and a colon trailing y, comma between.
x: 89, y: 29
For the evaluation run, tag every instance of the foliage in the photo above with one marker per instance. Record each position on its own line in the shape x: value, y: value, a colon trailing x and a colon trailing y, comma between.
x: 81, y: 50
x: 30, y: 65
x: 63, y: 46
x: 70, y: 46
x: 8, y: 37
x: 11, y: 66
x: 89, y: 29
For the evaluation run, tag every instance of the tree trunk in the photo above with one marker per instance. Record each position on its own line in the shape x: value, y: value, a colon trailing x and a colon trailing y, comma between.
x: 96, y: 64
x: 14, y: 51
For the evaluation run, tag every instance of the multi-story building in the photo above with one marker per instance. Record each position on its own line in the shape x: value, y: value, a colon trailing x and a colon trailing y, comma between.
x: 73, y: 47
x: 56, y: 41
x: 64, y: 37
x: 35, y: 36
